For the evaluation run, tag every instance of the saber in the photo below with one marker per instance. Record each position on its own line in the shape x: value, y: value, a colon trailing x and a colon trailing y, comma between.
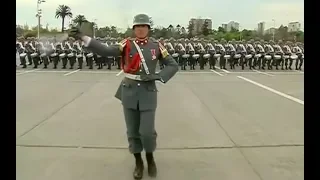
x: 120, y: 73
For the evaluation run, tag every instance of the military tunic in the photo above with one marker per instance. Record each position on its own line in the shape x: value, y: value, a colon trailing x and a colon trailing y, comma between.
x: 139, y: 97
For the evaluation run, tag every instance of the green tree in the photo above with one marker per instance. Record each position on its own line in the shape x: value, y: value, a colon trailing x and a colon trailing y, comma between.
x: 129, y: 32
x: 19, y: 30
x: 221, y: 29
x: 62, y: 12
x: 103, y: 32
x: 247, y: 34
x: 282, y: 33
x: 113, y: 31
x: 234, y: 30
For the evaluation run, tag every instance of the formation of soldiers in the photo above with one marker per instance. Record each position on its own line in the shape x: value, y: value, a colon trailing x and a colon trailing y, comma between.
x: 69, y: 53
x: 251, y: 54
x: 189, y: 53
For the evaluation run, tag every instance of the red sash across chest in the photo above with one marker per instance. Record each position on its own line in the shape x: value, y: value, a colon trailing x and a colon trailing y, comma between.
x: 130, y: 64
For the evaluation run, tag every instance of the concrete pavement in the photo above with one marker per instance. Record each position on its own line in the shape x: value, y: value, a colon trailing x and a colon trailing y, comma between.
x: 69, y: 126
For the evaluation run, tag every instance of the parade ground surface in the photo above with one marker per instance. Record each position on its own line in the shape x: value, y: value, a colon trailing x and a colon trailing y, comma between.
x: 222, y: 125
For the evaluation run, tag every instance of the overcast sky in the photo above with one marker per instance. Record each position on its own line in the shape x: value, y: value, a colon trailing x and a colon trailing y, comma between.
x: 164, y: 12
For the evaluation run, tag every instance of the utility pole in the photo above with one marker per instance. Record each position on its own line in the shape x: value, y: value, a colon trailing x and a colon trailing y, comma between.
x: 38, y: 15
x: 94, y: 28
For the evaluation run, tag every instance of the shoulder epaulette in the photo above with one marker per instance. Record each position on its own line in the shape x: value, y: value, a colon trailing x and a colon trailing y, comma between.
x: 163, y: 50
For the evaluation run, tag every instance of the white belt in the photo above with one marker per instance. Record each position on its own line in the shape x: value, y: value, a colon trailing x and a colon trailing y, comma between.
x: 133, y: 77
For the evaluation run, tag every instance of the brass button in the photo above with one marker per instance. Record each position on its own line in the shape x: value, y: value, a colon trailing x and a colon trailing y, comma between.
x: 138, y: 84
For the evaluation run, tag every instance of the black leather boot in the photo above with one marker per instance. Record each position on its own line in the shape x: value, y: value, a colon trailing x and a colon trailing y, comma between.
x: 138, y: 170
x: 152, y: 168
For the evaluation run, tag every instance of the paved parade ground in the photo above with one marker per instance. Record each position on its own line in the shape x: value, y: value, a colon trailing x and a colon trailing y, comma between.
x: 221, y: 125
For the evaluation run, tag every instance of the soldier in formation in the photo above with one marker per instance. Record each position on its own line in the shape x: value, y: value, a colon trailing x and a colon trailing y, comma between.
x: 137, y: 91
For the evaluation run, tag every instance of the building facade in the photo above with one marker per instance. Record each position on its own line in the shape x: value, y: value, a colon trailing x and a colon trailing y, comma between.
x: 294, y: 27
x: 198, y: 24
x: 224, y: 26
x: 261, y: 27
x: 232, y: 25
x: 270, y: 31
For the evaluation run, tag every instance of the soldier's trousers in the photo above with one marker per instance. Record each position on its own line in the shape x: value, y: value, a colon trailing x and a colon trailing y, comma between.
x: 212, y: 62
x: 177, y: 60
x: 29, y: 58
x: 72, y: 61
x: 64, y: 62
x: 104, y: 61
x: 109, y: 62
x: 299, y: 62
x: 55, y: 61
x: 118, y: 59
x: 222, y: 61
x: 36, y: 61
x: 141, y: 131
x: 251, y: 63
x: 183, y: 62
x: 80, y: 62
x: 90, y: 62
x: 45, y: 61
x: 99, y: 62
x: 201, y: 62
x: 192, y: 63
x: 23, y: 62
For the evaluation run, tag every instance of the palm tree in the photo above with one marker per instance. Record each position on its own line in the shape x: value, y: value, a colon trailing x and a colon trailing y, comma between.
x: 62, y: 12
x: 78, y: 20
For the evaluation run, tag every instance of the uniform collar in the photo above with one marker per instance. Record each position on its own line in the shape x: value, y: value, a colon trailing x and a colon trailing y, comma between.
x: 141, y: 41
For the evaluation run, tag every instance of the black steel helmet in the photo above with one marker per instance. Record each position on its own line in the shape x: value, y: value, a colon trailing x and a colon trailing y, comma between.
x: 141, y: 19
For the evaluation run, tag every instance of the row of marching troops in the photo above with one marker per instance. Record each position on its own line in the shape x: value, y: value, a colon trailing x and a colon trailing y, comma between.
x: 193, y: 52
x: 69, y: 53
x: 253, y: 54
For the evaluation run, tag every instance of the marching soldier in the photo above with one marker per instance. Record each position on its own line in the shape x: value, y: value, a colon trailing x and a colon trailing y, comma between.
x: 137, y: 90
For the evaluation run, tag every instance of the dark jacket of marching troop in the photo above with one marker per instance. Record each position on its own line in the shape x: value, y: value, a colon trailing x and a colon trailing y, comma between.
x: 140, y: 94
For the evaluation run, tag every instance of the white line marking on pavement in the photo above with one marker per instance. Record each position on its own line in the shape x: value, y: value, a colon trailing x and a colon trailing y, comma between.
x: 216, y: 72
x: 25, y: 72
x: 67, y: 74
x: 98, y: 72
x: 52, y: 71
x: 194, y: 72
x: 273, y: 90
x: 299, y: 71
x: 263, y: 73
x: 222, y: 70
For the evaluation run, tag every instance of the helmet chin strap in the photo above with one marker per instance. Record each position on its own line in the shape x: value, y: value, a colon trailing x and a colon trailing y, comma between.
x: 142, y: 39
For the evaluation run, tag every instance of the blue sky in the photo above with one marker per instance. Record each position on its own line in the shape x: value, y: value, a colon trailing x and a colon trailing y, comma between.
x: 164, y: 12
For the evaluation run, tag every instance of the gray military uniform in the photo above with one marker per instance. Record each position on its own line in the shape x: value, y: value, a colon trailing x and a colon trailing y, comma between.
x: 139, y: 98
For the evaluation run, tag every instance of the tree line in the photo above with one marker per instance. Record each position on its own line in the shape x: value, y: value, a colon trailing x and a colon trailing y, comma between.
x: 174, y: 31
